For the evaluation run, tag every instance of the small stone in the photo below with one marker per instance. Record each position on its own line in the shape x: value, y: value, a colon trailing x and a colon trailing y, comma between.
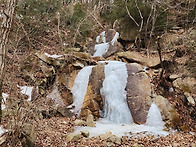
x: 138, y: 145
x: 85, y: 133
x: 30, y: 134
x: 110, y: 144
x: 175, y: 144
x: 73, y: 137
x: 90, y: 121
x: 124, y: 139
x: 78, y: 64
x: 79, y: 122
x: 191, y: 100
x: 174, y: 77
x: 193, y: 144
x: 2, y: 139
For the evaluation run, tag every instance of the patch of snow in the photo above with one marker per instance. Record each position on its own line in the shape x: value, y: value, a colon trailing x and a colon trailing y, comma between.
x: 115, y: 38
x: 130, y: 130
x: 2, y: 130
x: 101, y: 49
x: 4, y: 95
x: 56, y: 96
x: 115, y: 104
x: 53, y: 56
x: 154, y: 117
x: 26, y: 90
x: 171, y: 89
x: 145, y: 69
x: 80, y: 87
x: 102, y: 37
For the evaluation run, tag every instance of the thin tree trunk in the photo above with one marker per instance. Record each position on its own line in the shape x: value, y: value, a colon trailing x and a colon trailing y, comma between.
x: 5, y: 27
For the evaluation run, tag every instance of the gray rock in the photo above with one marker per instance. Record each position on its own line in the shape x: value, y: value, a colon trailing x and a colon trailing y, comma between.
x: 79, y: 122
x: 85, y: 133
x: 73, y: 137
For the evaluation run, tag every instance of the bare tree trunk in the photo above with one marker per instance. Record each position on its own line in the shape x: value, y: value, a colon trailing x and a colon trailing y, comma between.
x: 8, y: 14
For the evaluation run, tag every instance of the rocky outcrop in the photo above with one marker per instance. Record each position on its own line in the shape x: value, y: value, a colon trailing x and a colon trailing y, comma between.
x: 131, y: 56
x: 138, y: 93
x: 93, y: 100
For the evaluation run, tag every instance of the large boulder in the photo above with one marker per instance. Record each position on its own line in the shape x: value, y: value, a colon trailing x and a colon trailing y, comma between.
x: 138, y: 93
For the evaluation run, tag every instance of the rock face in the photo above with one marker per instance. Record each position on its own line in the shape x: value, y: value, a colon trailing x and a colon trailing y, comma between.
x: 138, y: 93
x: 93, y: 100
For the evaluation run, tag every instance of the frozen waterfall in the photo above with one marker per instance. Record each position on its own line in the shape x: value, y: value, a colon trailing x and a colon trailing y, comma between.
x: 80, y: 87
x: 117, y: 117
x: 115, y: 104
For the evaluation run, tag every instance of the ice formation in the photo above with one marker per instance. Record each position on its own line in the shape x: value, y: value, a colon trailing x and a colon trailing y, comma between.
x: 115, y: 38
x: 26, y: 90
x: 101, y: 38
x: 4, y: 95
x: 154, y: 116
x: 80, y: 87
x: 101, y: 49
x: 115, y: 104
x: 53, y: 56
x: 56, y: 96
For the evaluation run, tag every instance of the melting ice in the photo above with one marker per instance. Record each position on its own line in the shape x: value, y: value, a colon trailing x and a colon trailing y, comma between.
x: 102, y: 48
x: 80, y: 87
x: 26, y: 90
x: 115, y: 104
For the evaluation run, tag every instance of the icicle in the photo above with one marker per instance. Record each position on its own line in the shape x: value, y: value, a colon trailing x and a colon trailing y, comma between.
x: 80, y: 87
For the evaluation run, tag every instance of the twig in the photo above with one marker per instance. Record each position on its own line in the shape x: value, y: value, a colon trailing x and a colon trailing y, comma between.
x: 130, y: 14
x: 25, y: 32
x: 96, y: 19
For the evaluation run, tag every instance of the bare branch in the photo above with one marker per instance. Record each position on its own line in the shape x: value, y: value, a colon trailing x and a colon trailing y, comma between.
x: 130, y: 14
